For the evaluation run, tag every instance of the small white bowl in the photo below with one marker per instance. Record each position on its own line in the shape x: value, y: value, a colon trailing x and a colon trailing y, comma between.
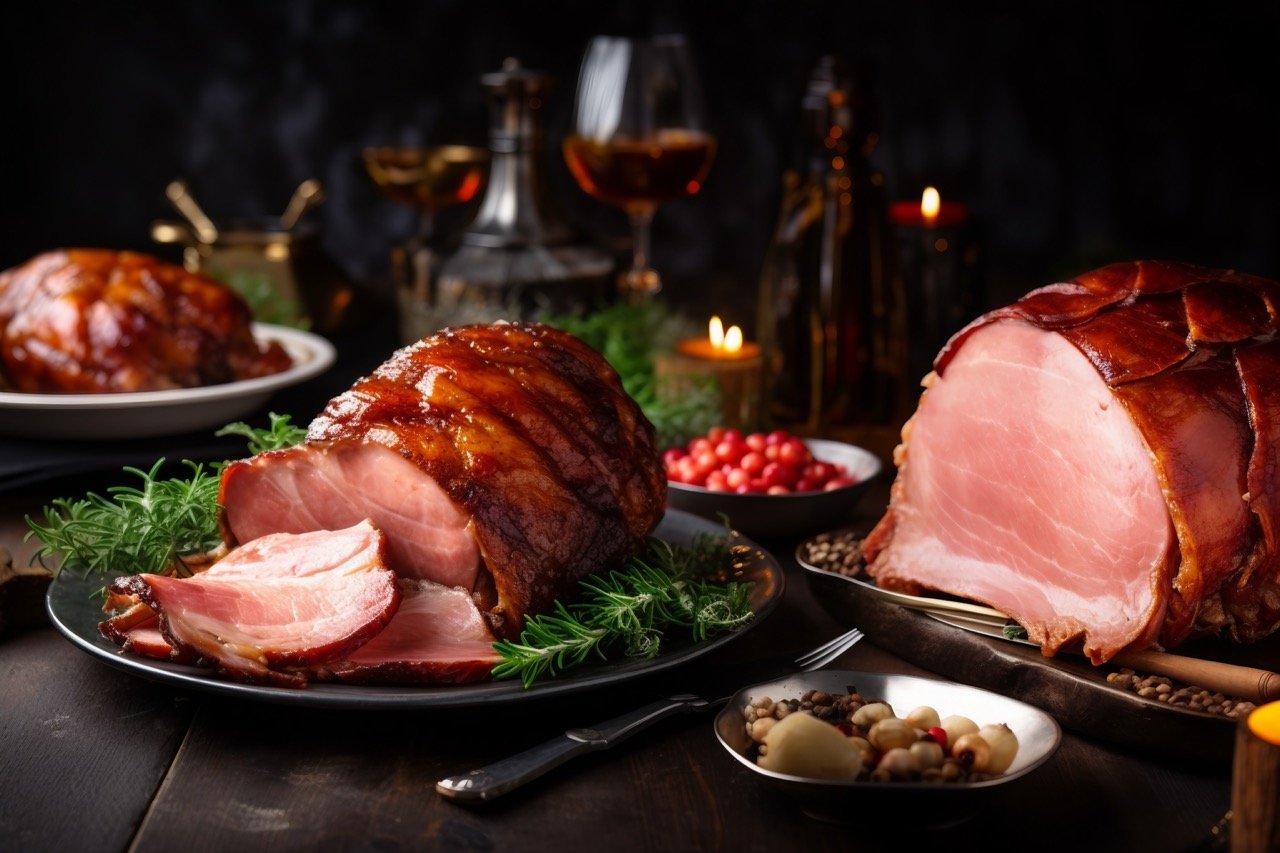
x: 798, y: 514
x: 931, y: 802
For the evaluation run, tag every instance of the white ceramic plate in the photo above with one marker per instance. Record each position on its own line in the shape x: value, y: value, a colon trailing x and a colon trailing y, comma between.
x: 144, y: 414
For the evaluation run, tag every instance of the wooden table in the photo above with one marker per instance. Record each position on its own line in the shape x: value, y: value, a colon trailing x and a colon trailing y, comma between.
x: 92, y: 758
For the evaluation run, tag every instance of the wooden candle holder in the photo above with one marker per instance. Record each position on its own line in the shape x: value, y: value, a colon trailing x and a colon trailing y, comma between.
x: 1255, y: 782
x: 738, y: 379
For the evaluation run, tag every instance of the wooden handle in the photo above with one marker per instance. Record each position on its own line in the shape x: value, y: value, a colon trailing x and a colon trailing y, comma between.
x: 1245, y: 682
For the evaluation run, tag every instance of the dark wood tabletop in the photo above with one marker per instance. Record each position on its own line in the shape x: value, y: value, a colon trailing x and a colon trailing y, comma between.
x: 92, y: 758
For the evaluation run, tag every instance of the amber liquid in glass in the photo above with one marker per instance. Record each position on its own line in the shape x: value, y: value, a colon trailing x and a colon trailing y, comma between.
x: 632, y: 171
x: 428, y: 178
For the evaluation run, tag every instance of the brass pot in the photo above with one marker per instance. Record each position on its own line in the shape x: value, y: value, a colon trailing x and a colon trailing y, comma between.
x: 281, y: 271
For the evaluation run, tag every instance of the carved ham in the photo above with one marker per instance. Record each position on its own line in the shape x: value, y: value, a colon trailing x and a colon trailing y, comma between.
x: 436, y: 635
x: 503, y: 459
x: 1100, y: 461
x: 99, y: 321
x: 269, y: 607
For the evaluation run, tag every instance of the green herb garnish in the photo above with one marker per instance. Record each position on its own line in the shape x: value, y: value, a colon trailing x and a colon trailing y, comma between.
x: 669, y: 590
x: 149, y: 529
x: 1014, y: 631
x: 280, y: 435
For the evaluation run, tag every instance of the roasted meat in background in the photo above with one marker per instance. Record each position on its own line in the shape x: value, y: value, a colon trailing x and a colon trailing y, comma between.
x: 99, y: 321
x: 1101, y: 461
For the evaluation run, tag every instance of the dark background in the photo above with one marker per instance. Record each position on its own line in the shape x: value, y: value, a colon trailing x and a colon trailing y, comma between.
x: 1077, y: 133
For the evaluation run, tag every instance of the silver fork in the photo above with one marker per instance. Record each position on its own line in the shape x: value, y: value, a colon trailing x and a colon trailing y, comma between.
x: 508, y: 774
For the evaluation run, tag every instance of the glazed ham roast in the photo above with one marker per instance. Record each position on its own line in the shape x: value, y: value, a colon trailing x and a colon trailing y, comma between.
x: 100, y: 321
x: 1101, y: 461
x: 494, y: 466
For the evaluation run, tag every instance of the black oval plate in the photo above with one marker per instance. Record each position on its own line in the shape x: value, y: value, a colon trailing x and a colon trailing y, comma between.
x: 75, y: 611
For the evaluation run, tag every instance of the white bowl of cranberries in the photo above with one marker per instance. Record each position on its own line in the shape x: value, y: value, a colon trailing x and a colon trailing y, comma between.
x: 768, y: 484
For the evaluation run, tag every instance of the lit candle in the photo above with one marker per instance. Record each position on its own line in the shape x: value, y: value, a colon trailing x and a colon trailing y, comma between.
x: 720, y: 344
x: 930, y: 212
x: 938, y: 273
x: 725, y: 359
x: 1264, y: 722
x: 930, y: 204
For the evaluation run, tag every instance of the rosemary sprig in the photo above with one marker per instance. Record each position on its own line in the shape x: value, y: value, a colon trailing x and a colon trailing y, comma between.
x: 146, y: 529
x: 668, y: 590
x: 150, y: 528
x: 281, y: 434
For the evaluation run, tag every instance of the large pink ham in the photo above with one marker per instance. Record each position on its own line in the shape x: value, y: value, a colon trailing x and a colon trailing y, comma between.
x: 1099, y: 461
x: 504, y: 459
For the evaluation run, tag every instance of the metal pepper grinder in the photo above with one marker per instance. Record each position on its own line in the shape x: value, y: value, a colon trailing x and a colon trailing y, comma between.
x: 517, y: 256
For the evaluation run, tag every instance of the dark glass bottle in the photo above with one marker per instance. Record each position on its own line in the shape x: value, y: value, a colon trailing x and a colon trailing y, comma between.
x: 831, y: 315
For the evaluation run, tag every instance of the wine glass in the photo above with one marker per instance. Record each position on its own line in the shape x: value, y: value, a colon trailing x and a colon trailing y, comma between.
x: 426, y: 179
x: 639, y: 136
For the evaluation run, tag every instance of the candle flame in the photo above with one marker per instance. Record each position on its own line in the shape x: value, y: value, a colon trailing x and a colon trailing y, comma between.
x: 733, y: 340
x: 723, y: 341
x: 715, y: 331
x: 930, y: 204
x: 1265, y: 722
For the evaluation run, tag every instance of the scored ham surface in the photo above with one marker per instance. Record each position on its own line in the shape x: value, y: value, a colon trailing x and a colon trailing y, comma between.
x: 505, y: 459
x: 1099, y: 460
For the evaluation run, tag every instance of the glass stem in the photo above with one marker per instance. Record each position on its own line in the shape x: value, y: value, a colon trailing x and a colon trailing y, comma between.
x: 641, y: 281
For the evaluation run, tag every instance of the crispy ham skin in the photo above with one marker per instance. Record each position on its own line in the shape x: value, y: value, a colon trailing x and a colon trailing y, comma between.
x: 276, y: 603
x: 1098, y: 460
x: 504, y: 459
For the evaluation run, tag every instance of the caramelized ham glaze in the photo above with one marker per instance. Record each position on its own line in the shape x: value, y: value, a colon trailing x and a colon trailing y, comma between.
x: 1098, y: 460
x: 504, y: 459
x: 99, y: 321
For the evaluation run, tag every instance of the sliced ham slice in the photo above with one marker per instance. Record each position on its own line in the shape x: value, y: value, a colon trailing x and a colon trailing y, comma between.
x: 137, y: 630
x: 1098, y: 460
x: 251, y: 618
x: 436, y: 637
